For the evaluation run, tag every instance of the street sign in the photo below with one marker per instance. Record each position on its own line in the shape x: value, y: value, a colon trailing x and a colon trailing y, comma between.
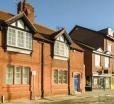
x: 33, y: 73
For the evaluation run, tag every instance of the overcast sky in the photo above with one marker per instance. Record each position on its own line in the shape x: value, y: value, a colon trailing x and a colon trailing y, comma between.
x: 94, y: 14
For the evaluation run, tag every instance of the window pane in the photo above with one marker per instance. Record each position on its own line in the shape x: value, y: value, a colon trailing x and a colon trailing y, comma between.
x: 9, y: 75
x: 106, y: 62
x: 60, y: 76
x: 64, y: 76
x: 56, y: 76
x: 97, y: 60
x: 20, y: 39
x: 109, y: 47
x: 26, y: 75
x: 28, y: 40
x: 11, y: 36
x: 56, y: 48
x: 61, y: 49
x: 18, y: 75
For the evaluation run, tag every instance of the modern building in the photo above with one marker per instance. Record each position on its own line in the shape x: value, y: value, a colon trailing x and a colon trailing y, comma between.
x: 98, y: 56
x: 36, y: 60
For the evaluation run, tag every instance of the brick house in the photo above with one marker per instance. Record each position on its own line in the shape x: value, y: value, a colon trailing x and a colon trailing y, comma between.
x: 36, y: 60
x: 98, y: 56
x: 77, y: 69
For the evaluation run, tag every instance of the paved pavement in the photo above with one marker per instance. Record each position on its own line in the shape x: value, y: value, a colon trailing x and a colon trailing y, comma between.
x: 94, y: 97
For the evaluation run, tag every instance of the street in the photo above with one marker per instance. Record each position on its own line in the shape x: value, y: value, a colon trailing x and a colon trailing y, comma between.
x: 89, y: 100
x: 94, y: 97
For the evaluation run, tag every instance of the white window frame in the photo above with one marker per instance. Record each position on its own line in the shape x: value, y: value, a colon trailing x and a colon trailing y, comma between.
x: 61, y: 49
x: 16, y: 75
x: 11, y: 79
x: 26, y: 79
x: 97, y: 60
x: 106, y: 62
x: 64, y: 76
x: 25, y: 35
x: 23, y: 78
x: 109, y: 48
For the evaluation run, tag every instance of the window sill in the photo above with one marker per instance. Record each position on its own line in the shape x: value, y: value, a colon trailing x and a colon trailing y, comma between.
x: 60, y: 57
x: 18, y: 50
x: 16, y: 85
x: 63, y: 84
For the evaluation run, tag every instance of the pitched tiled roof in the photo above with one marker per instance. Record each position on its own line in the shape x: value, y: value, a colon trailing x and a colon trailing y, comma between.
x: 43, y: 32
x: 43, y: 29
x: 87, y: 29
x: 84, y: 45
x: 62, y: 31
x: 5, y: 16
x: 76, y: 46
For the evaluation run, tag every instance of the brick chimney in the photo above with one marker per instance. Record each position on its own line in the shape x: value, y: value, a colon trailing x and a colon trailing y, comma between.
x: 23, y: 6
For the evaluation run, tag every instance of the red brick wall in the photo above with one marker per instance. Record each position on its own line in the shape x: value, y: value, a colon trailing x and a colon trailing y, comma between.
x: 77, y: 66
x: 58, y: 89
x: 17, y: 59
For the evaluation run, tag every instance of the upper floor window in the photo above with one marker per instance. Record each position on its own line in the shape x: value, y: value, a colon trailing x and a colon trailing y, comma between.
x: 18, y: 38
x: 97, y: 60
x: 110, y: 32
x: 109, y: 48
x: 61, y: 48
x: 106, y: 62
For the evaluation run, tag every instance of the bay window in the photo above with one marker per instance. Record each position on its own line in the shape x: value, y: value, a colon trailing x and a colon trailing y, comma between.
x: 61, y: 49
x: 19, y: 38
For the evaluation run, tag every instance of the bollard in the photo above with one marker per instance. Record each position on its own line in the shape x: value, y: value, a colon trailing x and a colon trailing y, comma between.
x: 2, y: 99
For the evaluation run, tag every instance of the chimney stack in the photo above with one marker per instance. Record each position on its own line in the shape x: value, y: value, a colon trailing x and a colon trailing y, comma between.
x: 27, y: 8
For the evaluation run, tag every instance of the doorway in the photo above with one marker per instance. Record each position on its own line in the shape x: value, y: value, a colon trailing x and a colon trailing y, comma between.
x: 77, y: 82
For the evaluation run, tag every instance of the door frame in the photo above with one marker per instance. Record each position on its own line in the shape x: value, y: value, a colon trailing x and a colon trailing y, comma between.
x: 77, y: 73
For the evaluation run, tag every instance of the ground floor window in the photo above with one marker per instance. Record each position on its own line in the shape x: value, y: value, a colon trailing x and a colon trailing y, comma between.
x: 112, y: 82
x: 9, y: 75
x: 101, y: 82
x: 88, y: 81
x: 95, y: 82
x: 60, y: 76
x: 26, y: 75
x: 17, y: 75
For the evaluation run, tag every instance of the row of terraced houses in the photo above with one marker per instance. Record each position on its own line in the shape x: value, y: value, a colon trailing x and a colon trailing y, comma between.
x: 38, y: 61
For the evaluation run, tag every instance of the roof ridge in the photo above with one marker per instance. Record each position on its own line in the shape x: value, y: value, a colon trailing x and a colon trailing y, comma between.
x: 45, y: 26
x: 7, y: 12
x: 84, y: 44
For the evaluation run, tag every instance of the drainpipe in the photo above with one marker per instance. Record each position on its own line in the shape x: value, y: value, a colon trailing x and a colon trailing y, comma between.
x: 69, y: 75
x: 42, y: 70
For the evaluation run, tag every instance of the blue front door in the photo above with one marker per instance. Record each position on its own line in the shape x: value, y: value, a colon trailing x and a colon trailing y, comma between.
x: 76, y: 82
